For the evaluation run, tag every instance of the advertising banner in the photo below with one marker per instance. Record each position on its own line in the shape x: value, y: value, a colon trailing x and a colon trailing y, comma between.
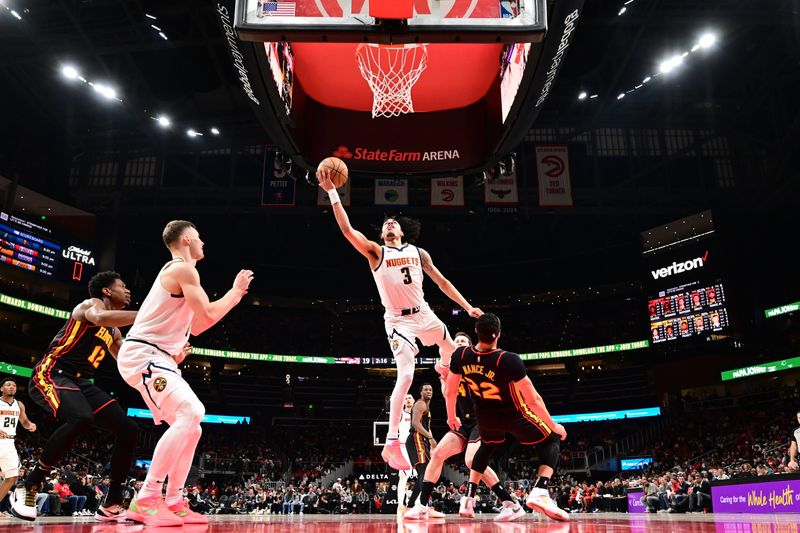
x: 635, y: 504
x: 774, y: 496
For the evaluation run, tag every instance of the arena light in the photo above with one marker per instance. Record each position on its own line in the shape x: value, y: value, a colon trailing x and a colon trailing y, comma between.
x: 621, y: 11
x: 193, y: 133
x: 155, y: 27
x: 163, y: 121
x: 161, y: 34
x: 16, y: 15
x: 582, y: 96
x: 105, y: 91
x: 707, y: 40
x: 670, y: 64
x: 214, y: 131
x: 148, y: 15
x: 620, y: 96
x: 70, y: 72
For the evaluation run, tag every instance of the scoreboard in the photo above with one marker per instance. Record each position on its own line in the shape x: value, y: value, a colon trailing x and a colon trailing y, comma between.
x: 32, y: 247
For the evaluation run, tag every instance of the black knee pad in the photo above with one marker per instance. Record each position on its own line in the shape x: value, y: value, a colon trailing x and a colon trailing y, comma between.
x: 549, y: 450
x: 483, y: 457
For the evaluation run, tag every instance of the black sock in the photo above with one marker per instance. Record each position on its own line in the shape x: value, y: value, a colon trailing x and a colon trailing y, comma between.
x: 472, y: 489
x: 541, y: 482
x: 502, y: 493
x: 114, y: 496
x: 425, y: 493
x: 36, y: 476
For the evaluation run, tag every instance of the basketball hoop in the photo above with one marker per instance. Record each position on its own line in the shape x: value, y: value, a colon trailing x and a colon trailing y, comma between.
x: 391, y: 72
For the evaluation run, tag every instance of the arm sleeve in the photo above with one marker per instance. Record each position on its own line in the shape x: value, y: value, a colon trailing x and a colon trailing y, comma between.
x: 513, y: 366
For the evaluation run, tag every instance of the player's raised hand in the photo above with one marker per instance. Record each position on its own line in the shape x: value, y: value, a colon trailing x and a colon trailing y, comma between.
x: 474, y: 312
x: 560, y: 431
x: 242, y: 281
x: 454, y: 423
x: 324, y: 178
x: 31, y: 427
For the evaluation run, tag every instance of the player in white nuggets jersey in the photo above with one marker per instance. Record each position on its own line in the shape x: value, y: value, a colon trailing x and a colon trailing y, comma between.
x: 148, y: 360
x: 405, y: 429
x: 12, y: 412
x: 398, y: 268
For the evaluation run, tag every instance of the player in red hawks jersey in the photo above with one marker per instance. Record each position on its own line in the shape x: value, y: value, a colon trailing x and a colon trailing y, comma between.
x: 61, y: 385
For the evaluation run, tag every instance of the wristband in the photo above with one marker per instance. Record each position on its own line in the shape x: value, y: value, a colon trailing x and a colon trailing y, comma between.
x: 333, y: 194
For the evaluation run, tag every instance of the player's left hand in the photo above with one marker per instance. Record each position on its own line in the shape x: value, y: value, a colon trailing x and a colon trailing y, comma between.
x: 32, y: 427
x: 560, y: 431
x: 454, y: 423
x: 186, y: 352
x: 474, y: 312
x: 443, y: 371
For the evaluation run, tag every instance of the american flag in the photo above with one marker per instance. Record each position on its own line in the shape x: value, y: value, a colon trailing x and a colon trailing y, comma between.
x: 278, y: 9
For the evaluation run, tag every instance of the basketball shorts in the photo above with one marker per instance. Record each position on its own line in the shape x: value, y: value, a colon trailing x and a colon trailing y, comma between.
x: 424, y: 325
x: 527, y: 428
x: 157, y: 378
x: 468, y: 431
x: 65, y: 396
x: 9, y: 460
x: 418, y: 448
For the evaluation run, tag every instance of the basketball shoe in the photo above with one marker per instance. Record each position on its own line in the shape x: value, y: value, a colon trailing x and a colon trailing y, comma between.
x: 393, y: 455
x: 152, y: 512
x: 510, y: 511
x: 188, y: 516
x: 539, y: 500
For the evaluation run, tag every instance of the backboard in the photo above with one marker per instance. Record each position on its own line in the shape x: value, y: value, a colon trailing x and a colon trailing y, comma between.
x: 432, y: 21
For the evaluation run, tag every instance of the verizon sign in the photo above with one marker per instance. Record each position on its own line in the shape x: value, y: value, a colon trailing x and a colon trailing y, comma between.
x: 680, y: 267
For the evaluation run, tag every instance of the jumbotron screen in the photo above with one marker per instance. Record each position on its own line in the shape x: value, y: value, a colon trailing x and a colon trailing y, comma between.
x: 689, y: 310
x: 34, y: 248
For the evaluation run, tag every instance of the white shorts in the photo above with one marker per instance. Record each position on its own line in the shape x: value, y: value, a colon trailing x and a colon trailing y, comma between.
x: 157, y: 378
x: 9, y: 459
x: 424, y: 326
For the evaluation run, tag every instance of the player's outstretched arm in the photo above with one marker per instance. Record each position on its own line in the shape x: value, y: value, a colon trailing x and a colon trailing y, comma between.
x: 445, y: 286
x: 206, y: 312
x: 369, y: 249
x: 535, y: 402
x: 97, y: 314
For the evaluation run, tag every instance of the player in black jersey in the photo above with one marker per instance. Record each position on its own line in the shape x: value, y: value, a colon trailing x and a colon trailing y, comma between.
x: 505, y: 402
x: 61, y: 385
x: 464, y: 439
x: 420, y: 440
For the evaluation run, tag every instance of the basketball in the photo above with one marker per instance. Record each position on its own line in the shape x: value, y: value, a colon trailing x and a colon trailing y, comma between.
x: 337, y: 168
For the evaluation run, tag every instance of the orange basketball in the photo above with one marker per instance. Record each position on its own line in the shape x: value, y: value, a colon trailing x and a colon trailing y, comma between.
x: 337, y: 168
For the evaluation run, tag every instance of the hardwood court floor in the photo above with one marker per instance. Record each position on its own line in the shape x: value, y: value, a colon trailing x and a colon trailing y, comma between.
x: 580, y: 523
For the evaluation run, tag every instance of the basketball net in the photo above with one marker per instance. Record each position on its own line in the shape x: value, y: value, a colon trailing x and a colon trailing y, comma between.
x: 391, y: 71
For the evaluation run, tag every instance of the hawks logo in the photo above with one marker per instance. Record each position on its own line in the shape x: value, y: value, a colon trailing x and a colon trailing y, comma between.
x: 160, y: 384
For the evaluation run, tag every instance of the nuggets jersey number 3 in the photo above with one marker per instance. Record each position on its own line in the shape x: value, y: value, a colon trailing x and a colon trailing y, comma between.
x: 399, y: 277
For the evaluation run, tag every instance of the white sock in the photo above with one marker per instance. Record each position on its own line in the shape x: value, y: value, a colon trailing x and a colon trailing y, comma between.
x: 404, y: 359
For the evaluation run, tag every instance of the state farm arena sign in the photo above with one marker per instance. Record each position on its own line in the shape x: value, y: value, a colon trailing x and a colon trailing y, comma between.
x: 400, y: 145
